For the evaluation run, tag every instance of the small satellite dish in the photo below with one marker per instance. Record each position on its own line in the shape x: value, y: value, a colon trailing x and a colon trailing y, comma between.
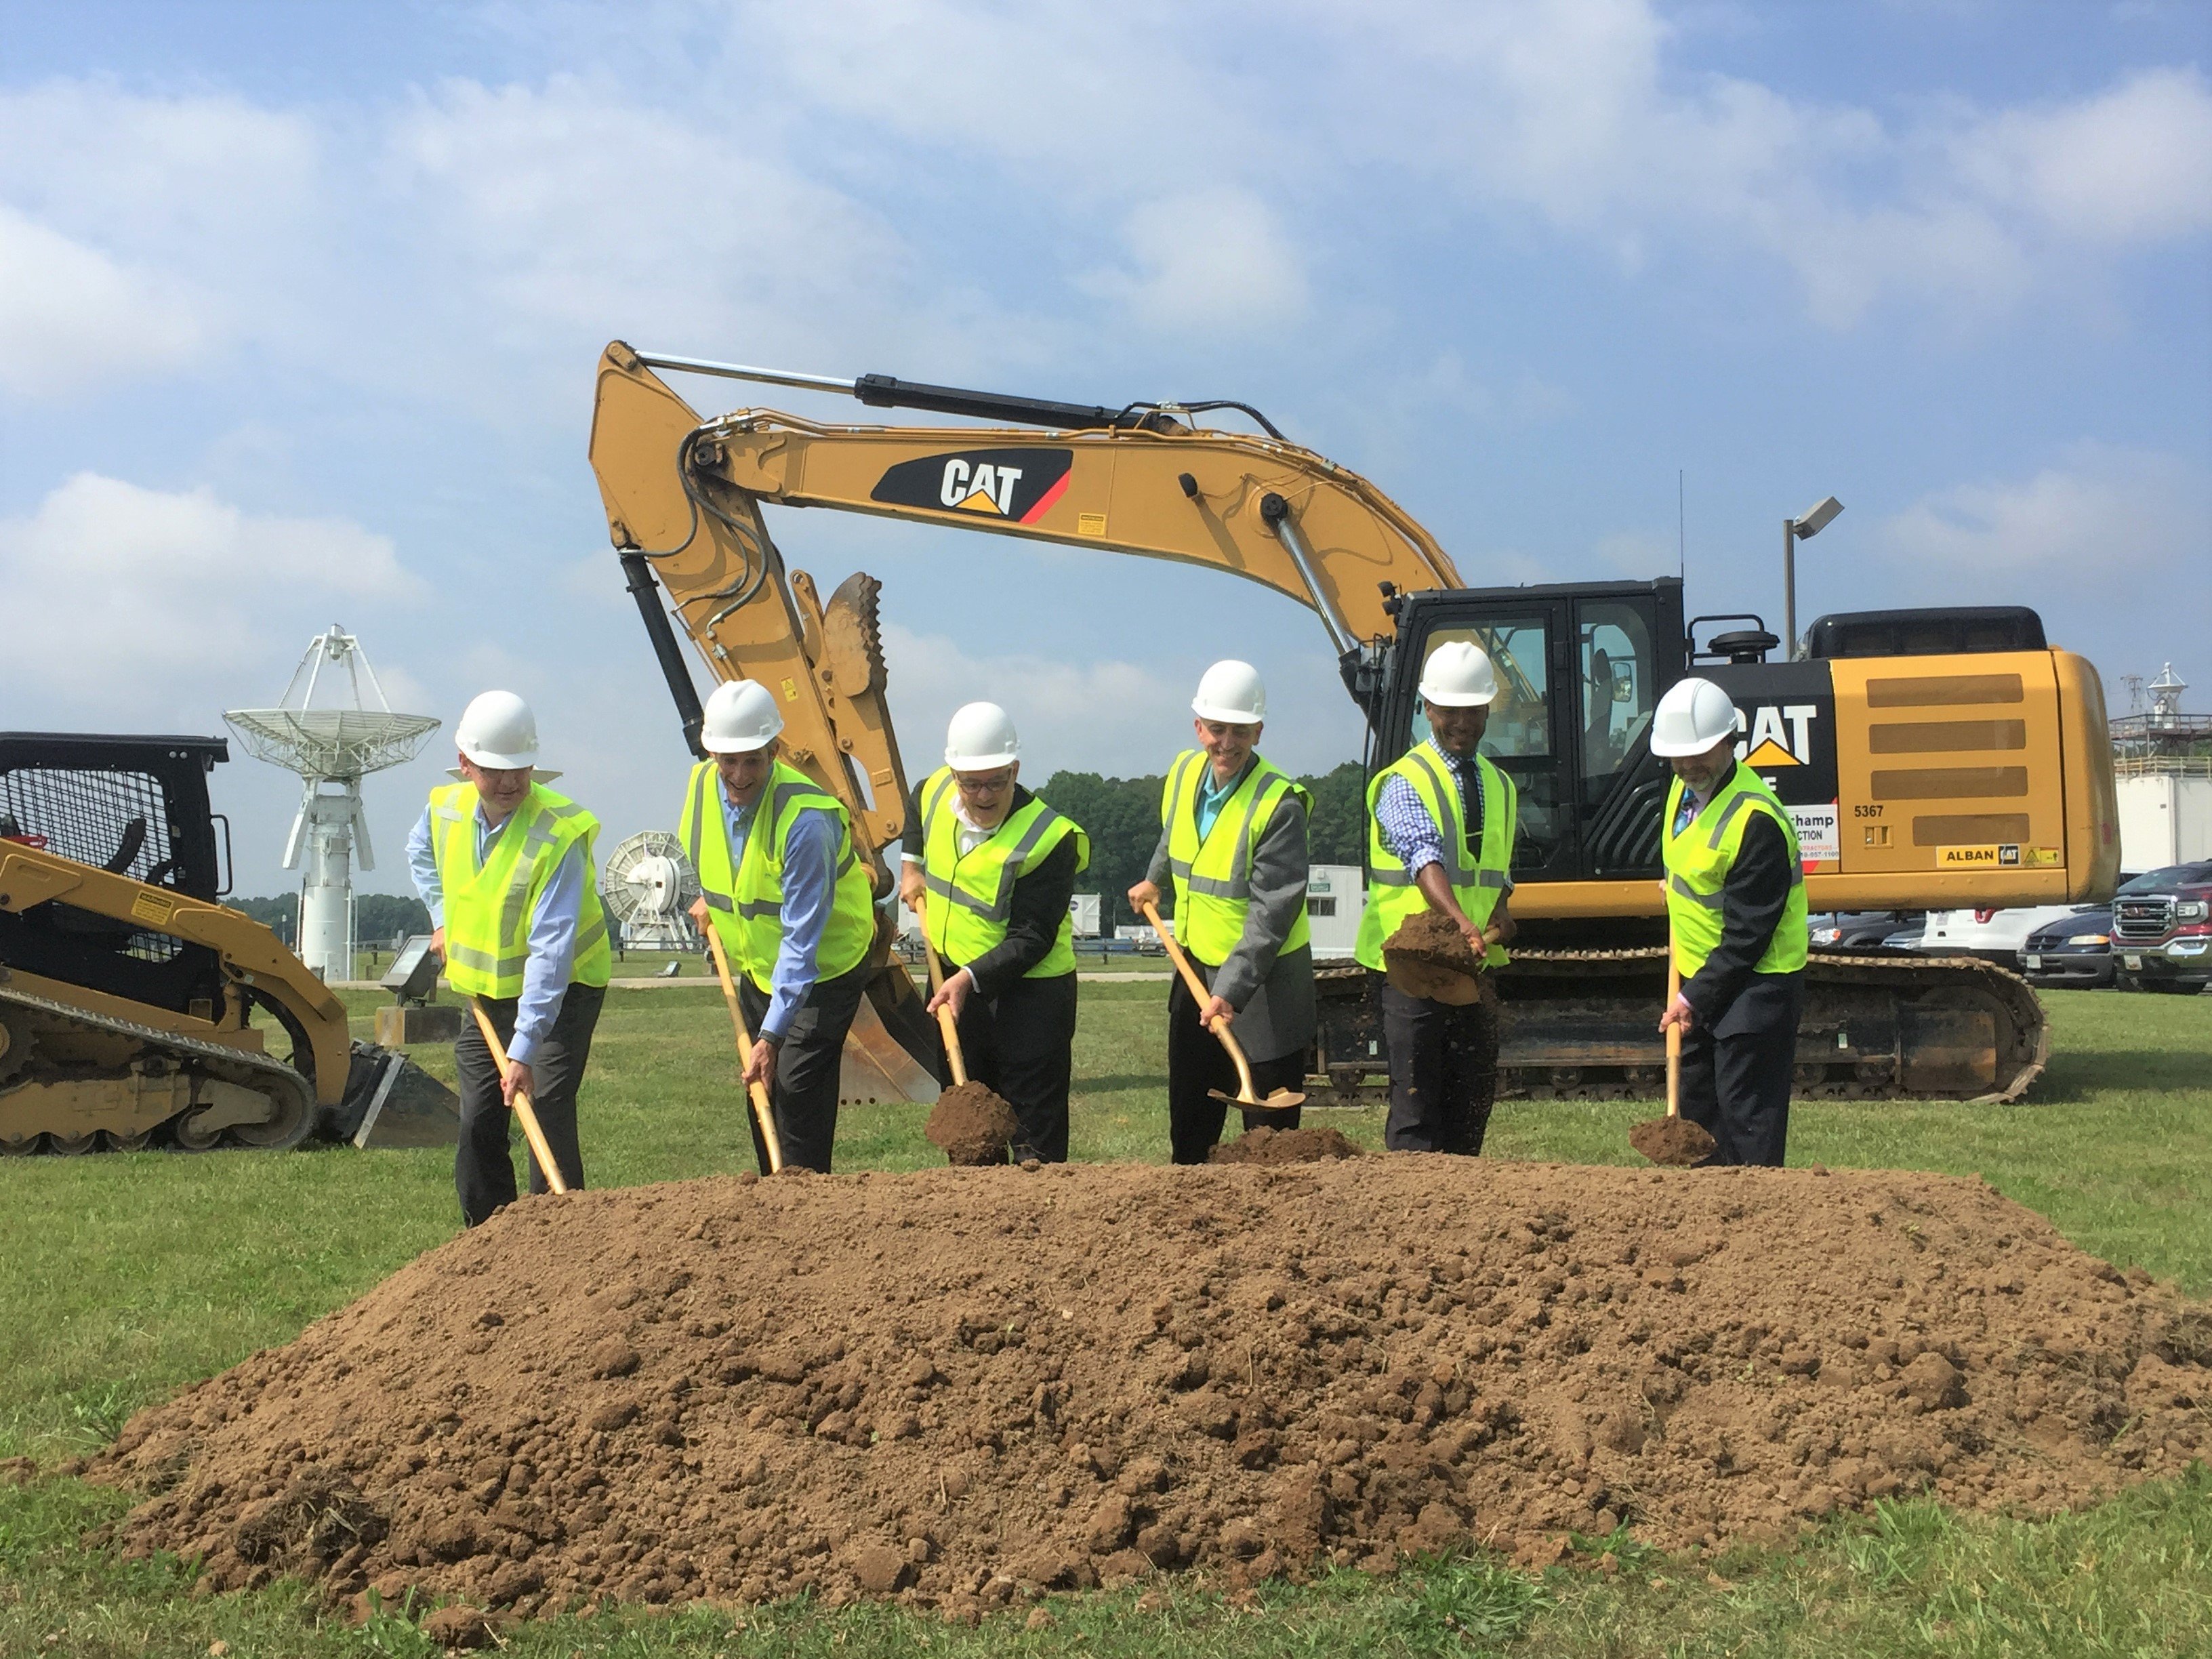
x: 649, y: 887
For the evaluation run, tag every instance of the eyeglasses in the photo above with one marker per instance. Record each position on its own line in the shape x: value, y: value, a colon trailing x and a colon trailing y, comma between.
x: 982, y: 783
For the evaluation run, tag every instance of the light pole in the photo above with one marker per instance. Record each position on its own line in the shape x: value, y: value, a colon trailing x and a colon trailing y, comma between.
x: 1793, y: 532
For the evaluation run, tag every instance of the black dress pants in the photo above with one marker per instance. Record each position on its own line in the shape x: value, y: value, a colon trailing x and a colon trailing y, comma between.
x: 483, y: 1168
x: 1444, y: 1073
x: 1197, y: 1063
x: 808, y: 1063
x: 1736, y: 1073
x: 1021, y: 1045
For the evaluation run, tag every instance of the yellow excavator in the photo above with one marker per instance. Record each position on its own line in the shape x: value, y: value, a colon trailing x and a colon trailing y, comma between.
x: 129, y: 992
x: 1931, y: 759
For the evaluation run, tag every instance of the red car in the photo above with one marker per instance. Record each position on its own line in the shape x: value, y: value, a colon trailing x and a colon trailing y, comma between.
x: 2162, y: 930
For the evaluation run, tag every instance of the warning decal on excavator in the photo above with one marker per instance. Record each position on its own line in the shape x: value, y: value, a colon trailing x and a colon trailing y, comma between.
x: 1019, y: 484
x: 152, y: 907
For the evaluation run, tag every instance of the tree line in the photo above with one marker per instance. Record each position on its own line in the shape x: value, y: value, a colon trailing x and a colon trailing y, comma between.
x: 377, y: 917
x: 1122, y: 818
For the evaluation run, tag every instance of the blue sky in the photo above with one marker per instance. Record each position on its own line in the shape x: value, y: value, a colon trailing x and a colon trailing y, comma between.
x: 299, y: 305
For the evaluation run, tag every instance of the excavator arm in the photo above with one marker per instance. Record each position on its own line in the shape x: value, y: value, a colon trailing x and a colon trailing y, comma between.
x: 683, y: 495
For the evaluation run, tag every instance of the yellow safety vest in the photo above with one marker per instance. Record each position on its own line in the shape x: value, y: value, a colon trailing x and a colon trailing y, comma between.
x: 971, y: 895
x: 1213, y: 877
x: 1477, y: 884
x: 489, y: 909
x: 744, y: 906
x: 1698, y: 864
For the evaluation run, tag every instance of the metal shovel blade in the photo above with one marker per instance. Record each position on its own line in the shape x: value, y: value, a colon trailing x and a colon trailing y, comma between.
x: 1283, y: 1100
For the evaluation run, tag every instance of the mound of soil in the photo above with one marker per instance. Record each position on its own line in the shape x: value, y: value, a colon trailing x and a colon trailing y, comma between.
x: 1266, y: 1146
x: 971, y: 1125
x: 1430, y: 937
x: 954, y: 1389
x: 1674, y: 1141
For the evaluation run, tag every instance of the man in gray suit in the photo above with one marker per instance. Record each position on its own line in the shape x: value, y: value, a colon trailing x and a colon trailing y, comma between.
x: 1233, y: 842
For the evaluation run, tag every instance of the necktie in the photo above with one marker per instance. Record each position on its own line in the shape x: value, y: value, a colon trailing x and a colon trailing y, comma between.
x: 1470, y: 807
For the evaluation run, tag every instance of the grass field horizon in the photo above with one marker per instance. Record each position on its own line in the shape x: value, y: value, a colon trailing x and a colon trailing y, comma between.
x: 129, y: 1276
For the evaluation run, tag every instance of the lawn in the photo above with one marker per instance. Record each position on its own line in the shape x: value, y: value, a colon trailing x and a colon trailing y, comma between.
x: 125, y: 1277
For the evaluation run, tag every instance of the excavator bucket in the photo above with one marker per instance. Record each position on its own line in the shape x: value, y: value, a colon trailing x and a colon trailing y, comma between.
x: 884, y: 1048
x: 390, y: 1101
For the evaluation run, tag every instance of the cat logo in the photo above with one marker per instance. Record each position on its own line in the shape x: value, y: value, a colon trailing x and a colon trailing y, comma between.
x: 1780, y: 735
x: 1020, y: 485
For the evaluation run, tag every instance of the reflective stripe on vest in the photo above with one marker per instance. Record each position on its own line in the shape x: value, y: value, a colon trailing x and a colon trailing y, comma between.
x: 1477, y: 882
x: 1698, y: 862
x: 971, y: 894
x: 744, y: 904
x: 1213, y: 876
x: 489, y: 908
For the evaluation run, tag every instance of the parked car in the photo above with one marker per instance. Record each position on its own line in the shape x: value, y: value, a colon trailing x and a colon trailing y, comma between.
x: 1992, y: 935
x: 1857, y: 930
x: 1905, y: 938
x: 2072, y: 953
x: 2162, y: 930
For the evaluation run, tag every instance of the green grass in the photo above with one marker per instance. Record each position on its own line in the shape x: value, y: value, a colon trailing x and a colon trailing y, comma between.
x: 123, y: 1277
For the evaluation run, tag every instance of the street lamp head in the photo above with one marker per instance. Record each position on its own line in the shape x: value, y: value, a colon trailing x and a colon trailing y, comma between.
x: 1818, y: 519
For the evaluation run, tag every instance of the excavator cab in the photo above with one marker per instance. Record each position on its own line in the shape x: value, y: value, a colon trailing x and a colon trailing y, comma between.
x: 1580, y: 667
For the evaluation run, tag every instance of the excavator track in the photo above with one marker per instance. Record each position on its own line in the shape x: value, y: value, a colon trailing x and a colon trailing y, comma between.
x: 1583, y: 1025
x: 197, y: 1125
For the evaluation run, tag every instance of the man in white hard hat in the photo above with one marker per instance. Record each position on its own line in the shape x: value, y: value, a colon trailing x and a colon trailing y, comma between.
x: 1735, y: 910
x: 1233, y: 846
x: 990, y: 869
x: 782, y: 885
x: 504, y: 866
x: 1441, y: 821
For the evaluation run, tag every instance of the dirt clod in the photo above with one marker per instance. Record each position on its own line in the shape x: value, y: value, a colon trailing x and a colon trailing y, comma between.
x: 1432, y: 937
x: 966, y: 1388
x: 1673, y: 1142
x: 971, y: 1125
x: 1266, y: 1146
x: 458, y: 1626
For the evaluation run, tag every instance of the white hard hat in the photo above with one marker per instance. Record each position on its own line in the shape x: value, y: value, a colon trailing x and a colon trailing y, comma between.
x: 1694, y: 716
x: 1230, y: 690
x: 1458, y: 675
x: 498, y: 731
x: 741, y: 717
x: 982, y: 736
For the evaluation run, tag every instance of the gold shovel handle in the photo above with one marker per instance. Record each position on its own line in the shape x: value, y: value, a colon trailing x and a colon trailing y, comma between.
x: 1202, y: 996
x: 523, y: 1109
x: 946, y: 1024
x: 763, y: 1113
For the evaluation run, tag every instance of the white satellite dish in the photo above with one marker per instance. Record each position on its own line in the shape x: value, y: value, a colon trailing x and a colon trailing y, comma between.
x: 332, y: 748
x: 648, y: 886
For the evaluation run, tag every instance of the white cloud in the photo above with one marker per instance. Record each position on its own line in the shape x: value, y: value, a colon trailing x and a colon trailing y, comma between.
x: 148, y: 604
x: 71, y: 316
x: 2132, y: 164
x: 1208, y: 259
x: 2103, y: 512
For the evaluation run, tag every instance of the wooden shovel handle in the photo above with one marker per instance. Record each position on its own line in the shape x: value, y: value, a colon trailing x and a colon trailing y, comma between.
x: 763, y: 1113
x: 948, y: 1026
x: 1674, y: 1038
x: 1200, y: 995
x: 523, y: 1109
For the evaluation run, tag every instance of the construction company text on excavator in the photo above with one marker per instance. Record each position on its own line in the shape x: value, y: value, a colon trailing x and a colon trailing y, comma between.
x: 1931, y: 759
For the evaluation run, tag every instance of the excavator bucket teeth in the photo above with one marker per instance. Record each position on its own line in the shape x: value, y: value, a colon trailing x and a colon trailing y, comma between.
x: 853, y: 643
x: 390, y: 1101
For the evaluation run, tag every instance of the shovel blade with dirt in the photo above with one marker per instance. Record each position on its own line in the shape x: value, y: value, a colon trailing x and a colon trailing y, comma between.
x: 1673, y: 1141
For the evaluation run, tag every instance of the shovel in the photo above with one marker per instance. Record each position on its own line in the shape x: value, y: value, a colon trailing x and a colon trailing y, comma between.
x: 1283, y: 1100
x: 1673, y: 1140
x: 1426, y: 980
x: 763, y: 1113
x: 945, y: 1022
x: 523, y: 1109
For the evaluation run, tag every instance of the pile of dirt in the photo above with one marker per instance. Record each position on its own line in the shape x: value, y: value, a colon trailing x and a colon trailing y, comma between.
x: 971, y: 1125
x: 1266, y: 1146
x: 958, y: 1387
x: 1674, y: 1141
x: 1433, y: 938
